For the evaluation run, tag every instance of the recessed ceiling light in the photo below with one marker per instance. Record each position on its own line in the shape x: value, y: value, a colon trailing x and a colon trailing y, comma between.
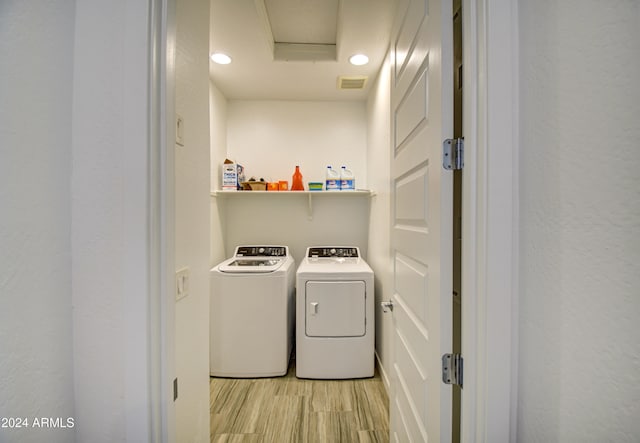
x: 359, y: 59
x: 220, y: 58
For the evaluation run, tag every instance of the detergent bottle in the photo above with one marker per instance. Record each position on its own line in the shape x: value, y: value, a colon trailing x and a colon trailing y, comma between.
x: 347, y: 180
x: 296, y: 181
x: 332, y: 182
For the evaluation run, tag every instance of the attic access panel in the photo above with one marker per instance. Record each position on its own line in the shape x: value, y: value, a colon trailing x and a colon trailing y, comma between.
x: 308, y: 21
x: 301, y: 30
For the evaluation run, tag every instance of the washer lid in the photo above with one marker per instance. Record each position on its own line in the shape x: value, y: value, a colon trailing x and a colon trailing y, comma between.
x: 241, y: 265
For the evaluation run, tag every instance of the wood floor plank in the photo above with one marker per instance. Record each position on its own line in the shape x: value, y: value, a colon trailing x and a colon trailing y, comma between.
x: 373, y: 436
x: 238, y: 438
x: 288, y: 420
x: 230, y: 395
x: 288, y: 409
x: 332, y: 395
x: 292, y: 386
x: 332, y: 427
x: 372, y: 410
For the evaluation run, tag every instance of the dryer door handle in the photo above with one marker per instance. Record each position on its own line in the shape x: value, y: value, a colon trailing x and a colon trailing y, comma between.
x: 314, y: 307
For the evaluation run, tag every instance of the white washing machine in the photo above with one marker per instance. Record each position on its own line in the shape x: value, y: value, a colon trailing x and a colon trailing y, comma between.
x: 334, y: 314
x: 252, y: 313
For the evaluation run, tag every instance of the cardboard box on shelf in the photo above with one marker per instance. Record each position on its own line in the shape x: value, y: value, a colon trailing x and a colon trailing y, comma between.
x: 232, y: 174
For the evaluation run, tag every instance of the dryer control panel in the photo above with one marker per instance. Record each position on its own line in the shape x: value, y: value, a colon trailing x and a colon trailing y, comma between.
x: 333, y: 251
x: 261, y: 251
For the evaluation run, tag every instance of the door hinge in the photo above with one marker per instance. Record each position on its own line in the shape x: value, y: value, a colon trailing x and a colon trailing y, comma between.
x: 453, y: 153
x: 452, y: 369
x: 175, y: 389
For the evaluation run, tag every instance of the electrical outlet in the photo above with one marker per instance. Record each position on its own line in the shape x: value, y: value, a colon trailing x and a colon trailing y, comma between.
x: 182, y: 283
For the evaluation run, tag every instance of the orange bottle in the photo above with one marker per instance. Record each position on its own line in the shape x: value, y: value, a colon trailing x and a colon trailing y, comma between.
x: 296, y: 182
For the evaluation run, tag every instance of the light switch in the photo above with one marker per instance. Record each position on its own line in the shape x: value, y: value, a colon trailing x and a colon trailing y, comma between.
x: 182, y: 283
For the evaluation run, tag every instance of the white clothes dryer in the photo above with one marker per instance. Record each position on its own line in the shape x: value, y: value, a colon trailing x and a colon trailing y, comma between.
x: 335, y: 327
x: 252, y: 313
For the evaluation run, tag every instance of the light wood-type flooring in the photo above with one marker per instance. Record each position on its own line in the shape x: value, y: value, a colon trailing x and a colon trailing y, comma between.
x: 288, y: 409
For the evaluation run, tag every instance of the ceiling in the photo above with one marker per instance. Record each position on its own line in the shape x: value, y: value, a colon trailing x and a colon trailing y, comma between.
x: 297, y: 49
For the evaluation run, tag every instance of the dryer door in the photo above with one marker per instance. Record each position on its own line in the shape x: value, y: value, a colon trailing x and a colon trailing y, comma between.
x: 335, y: 308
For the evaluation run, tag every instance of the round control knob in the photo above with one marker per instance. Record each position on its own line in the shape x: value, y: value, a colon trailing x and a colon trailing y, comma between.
x: 332, y: 251
x: 260, y: 250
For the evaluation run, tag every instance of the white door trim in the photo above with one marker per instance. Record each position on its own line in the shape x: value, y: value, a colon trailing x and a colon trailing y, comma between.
x: 490, y: 214
x: 161, y: 212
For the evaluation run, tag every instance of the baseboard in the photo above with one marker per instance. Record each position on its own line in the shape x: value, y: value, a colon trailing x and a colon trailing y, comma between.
x: 383, y: 374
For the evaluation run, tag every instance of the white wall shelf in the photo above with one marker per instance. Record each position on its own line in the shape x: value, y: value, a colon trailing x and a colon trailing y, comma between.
x: 236, y: 194
x: 310, y: 195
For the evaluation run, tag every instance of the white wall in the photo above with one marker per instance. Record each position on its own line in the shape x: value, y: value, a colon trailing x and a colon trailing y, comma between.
x: 285, y: 219
x: 579, y: 353
x: 269, y: 138
x: 192, y: 245
x: 109, y: 222
x: 378, y: 160
x: 218, y: 113
x: 36, y: 363
x: 73, y: 326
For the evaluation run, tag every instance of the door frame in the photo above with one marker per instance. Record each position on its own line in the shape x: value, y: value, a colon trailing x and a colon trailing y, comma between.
x: 161, y: 213
x: 490, y: 218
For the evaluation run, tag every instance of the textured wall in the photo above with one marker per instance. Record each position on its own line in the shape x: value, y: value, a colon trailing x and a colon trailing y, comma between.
x: 270, y: 138
x: 36, y: 371
x: 378, y: 157
x: 218, y: 113
x: 579, y: 364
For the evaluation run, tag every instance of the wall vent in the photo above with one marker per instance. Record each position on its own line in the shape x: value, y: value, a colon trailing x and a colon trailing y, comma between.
x: 352, y: 82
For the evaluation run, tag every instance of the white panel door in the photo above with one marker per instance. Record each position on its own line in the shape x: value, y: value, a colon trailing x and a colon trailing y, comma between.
x: 421, y: 227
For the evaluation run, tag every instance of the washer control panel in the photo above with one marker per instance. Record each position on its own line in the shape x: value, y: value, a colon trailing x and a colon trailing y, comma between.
x: 261, y: 251
x: 333, y: 251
